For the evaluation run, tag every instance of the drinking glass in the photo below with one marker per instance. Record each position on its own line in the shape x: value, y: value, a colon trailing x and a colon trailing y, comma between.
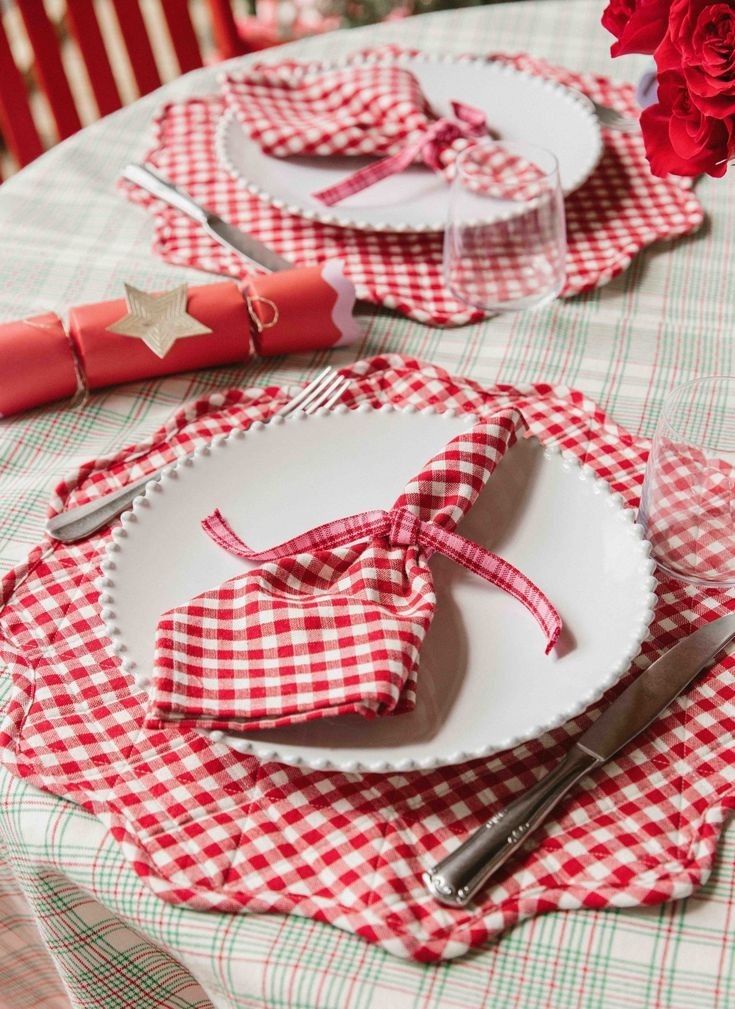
x: 688, y: 496
x: 505, y: 242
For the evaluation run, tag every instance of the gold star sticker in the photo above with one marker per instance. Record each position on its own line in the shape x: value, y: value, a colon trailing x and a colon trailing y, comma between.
x: 158, y: 320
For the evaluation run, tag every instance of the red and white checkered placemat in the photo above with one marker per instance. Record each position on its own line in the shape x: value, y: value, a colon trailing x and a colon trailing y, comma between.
x: 620, y: 210
x: 212, y: 828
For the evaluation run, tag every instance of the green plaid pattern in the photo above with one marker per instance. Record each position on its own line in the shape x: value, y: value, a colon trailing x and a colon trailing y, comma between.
x: 77, y: 927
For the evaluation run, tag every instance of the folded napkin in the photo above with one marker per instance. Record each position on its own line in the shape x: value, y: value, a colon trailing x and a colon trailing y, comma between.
x: 376, y: 110
x: 333, y: 620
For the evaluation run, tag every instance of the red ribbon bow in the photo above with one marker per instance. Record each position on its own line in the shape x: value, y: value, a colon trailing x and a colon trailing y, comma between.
x: 469, y: 123
x: 400, y: 527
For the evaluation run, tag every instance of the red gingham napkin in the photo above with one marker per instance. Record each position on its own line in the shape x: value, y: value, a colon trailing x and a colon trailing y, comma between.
x: 620, y: 210
x: 504, y: 175
x: 209, y: 827
x: 333, y: 623
x: 377, y: 109
x: 372, y: 109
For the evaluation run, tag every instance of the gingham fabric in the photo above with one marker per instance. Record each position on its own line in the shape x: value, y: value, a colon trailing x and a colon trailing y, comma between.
x: 209, y: 827
x: 378, y: 109
x: 688, y: 505
x: 621, y: 209
x: 505, y: 175
x: 364, y: 110
x: 437, y: 146
x: 530, y: 258
x: 78, y: 927
x: 332, y: 623
x: 498, y: 171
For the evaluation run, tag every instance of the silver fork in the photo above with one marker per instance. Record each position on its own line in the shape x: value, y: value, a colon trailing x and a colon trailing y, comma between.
x: 614, y: 120
x: 77, y: 523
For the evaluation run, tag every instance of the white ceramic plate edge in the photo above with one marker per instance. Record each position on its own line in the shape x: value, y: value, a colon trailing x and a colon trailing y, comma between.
x: 106, y: 585
x: 340, y: 219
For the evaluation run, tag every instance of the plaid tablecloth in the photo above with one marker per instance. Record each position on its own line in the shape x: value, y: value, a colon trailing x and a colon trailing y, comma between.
x: 64, y: 888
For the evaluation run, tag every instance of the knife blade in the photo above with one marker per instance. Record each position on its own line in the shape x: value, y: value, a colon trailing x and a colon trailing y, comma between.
x: 651, y: 692
x: 220, y: 230
x: 458, y: 877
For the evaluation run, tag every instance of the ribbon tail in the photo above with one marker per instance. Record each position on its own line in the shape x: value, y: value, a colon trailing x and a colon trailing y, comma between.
x: 474, y: 118
x: 369, y: 175
x: 219, y: 529
x: 498, y: 572
x: 328, y: 536
x: 470, y: 122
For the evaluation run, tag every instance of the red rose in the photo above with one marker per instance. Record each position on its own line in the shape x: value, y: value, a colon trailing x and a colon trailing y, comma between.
x: 638, y: 25
x: 679, y: 138
x: 701, y: 44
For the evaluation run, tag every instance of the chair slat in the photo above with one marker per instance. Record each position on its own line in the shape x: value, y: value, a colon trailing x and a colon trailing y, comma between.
x: 137, y: 43
x: 183, y: 36
x: 224, y: 29
x: 86, y: 31
x: 17, y: 125
x: 49, y: 67
x: 16, y: 120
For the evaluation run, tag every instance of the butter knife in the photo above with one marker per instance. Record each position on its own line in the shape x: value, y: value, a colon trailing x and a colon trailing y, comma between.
x: 226, y: 234
x: 458, y: 877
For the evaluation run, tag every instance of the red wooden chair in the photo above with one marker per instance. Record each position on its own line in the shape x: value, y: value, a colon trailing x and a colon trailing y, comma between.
x: 17, y: 125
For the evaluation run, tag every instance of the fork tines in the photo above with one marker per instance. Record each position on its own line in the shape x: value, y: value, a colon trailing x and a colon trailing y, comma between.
x: 319, y: 394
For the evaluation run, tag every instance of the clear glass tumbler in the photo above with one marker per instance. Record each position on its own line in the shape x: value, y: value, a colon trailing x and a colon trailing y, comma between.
x: 688, y: 496
x: 505, y: 241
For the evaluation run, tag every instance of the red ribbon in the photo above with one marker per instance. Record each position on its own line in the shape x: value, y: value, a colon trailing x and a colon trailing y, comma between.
x: 401, y: 528
x: 469, y: 123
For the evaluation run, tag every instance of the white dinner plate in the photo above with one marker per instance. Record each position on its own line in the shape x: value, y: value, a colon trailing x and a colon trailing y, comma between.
x: 518, y: 106
x: 485, y: 683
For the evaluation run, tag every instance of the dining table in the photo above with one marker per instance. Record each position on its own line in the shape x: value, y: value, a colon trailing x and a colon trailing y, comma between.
x: 77, y: 926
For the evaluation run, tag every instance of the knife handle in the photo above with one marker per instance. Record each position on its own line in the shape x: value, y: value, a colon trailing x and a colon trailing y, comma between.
x: 157, y: 185
x: 80, y: 522
x: 458, y: 877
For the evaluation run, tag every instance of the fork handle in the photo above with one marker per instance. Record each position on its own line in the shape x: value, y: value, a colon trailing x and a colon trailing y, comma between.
x: 87, y: 519
x: 458, y: 877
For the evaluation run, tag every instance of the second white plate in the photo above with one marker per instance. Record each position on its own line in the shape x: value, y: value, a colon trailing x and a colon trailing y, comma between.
x: 484, y: 681
x: 518, y: 106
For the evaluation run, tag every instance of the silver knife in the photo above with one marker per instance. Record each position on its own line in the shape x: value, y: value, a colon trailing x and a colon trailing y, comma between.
x: 458, y: 877
x: 226, y: 234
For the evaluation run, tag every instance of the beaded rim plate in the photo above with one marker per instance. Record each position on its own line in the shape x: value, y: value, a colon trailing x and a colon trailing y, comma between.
x: 519, y: 106
x: 484, y: 682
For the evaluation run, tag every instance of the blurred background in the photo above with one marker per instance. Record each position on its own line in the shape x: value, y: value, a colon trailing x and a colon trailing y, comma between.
x: 63, y: 63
